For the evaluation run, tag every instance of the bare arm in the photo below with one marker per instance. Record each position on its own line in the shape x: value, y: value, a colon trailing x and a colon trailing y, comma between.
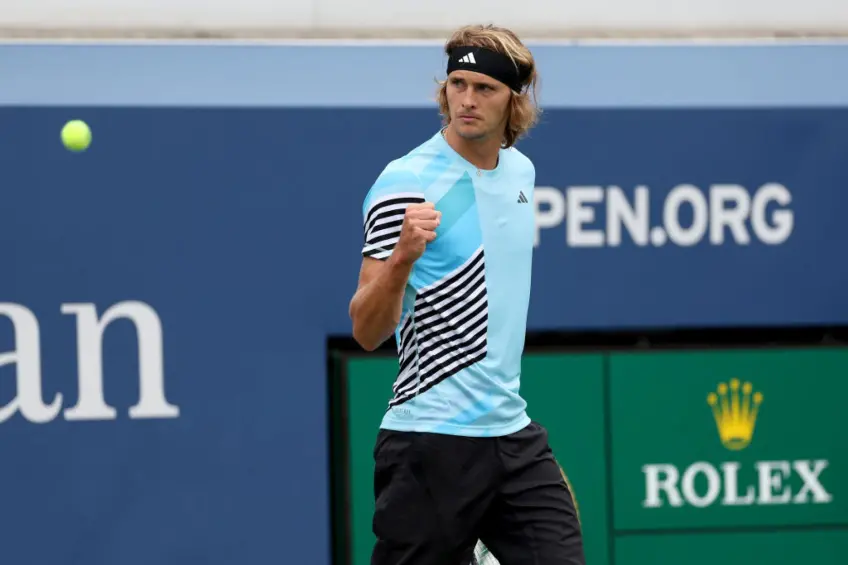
x: 376, y: 307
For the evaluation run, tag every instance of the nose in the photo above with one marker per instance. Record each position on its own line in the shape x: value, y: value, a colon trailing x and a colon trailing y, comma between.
x: 469, y: 101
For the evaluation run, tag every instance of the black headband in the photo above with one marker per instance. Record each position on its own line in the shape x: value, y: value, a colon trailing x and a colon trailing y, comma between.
x: 480, y: 60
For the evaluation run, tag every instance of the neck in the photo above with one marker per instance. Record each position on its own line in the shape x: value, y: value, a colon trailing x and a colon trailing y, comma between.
x: 482, y: 153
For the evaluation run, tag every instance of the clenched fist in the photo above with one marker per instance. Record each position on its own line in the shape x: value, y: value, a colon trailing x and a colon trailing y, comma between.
x: 419, y: 228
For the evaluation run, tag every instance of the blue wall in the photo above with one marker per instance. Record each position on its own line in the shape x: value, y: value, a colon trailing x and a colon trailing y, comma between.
x: 223, y: 190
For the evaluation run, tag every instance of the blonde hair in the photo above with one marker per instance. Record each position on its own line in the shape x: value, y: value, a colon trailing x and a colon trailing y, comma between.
x: 523, y: 111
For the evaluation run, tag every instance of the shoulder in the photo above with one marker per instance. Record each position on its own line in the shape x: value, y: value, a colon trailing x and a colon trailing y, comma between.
x: 397, y: 175
x: 399, y: 179
x: 396, y: 183
x: 520, y: 165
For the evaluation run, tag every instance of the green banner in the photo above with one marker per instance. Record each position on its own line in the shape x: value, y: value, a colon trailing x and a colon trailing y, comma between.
x: 737, y: 456
x: 729, y: 439
x: 748, y: 548
x: 369, y: 389
x: 564, y: 394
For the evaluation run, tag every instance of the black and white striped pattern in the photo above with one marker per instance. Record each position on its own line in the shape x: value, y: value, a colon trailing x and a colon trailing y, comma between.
x: 407, y: 354
x: 383, y: 222
x: 446, y: 332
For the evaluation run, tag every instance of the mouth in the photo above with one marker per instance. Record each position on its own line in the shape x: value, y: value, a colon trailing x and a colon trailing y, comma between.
x: 468, y: 119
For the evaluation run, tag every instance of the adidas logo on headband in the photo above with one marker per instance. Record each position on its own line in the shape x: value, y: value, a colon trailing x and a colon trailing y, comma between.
x: 468, y: 59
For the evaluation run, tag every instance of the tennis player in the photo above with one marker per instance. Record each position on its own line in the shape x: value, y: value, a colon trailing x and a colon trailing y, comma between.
x: 449, y: 232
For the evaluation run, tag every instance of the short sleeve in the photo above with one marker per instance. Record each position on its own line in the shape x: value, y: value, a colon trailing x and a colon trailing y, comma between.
x: 383, y: 211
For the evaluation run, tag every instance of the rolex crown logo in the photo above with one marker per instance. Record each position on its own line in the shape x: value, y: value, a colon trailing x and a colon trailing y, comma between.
x: 735, y: 413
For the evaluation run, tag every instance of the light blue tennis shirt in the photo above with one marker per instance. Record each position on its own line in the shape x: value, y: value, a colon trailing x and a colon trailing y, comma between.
x: 461, y: 333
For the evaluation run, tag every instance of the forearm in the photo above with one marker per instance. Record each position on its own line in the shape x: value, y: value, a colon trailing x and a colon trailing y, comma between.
x: 376, y: 307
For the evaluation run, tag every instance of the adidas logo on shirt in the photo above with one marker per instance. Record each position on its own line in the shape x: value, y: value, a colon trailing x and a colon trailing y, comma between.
x: 521, y: 198
x: 468, y: 59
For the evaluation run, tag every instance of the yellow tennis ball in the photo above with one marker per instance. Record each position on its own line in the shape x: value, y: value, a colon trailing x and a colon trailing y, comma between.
x: 76, y: 135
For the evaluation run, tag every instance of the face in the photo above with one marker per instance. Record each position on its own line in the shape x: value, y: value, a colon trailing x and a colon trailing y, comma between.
x: 477, y: 105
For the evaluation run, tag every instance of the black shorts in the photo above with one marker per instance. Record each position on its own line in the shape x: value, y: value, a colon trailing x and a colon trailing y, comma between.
x: 436, y: 495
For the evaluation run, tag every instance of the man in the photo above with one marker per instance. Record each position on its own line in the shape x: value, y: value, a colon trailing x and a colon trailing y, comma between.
x: 449, y: 231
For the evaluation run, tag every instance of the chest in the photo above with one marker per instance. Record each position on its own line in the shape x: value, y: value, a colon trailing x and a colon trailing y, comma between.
x: 507, y: 220
x: 499, y: 219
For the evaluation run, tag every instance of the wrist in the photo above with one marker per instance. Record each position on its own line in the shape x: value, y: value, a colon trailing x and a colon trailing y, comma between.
x: 399, y: 270
x: 398, y: 261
